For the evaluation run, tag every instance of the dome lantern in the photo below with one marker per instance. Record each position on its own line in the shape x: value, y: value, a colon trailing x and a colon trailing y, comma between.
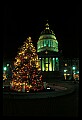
x: 47, y: 26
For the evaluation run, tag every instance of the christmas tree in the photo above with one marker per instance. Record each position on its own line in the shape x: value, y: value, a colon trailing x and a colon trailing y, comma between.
x: 27, y: 73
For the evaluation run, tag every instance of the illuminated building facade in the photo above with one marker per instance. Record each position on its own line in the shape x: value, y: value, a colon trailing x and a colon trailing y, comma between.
x: 48, y: 53
x: 71, y: 68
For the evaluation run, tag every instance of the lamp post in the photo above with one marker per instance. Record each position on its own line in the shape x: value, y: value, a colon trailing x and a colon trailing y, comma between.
x: 65, y: 74
x: 4, y: 73
x: 73, y: 72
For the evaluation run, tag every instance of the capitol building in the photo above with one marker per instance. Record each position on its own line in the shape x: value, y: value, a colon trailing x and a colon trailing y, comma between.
x: 52, y: 63
x: 48, y: 53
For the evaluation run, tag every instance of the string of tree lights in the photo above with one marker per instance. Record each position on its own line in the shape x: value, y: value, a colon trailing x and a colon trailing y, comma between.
x: 26, y: 74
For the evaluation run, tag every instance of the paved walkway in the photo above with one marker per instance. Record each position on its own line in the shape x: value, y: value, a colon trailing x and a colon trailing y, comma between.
x: 60, y: 90
x: 61, y: 85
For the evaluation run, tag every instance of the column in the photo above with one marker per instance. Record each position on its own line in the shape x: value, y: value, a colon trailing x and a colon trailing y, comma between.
x: 48, y: 64
x: 55, y: 63
x: 41, y: 64
x: 52, y: 64
x: 43, y: 67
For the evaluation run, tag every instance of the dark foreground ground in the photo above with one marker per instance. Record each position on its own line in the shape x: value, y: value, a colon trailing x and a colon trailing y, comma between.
x: 63, y: 106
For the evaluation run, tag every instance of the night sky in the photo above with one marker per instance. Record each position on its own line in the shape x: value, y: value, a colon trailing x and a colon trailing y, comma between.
x: 22, y: 20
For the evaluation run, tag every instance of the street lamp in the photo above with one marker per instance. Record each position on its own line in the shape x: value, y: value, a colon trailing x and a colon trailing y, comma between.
x: 78, y: 72
x: 5, y: 68
x: 4, y: 73
x: 73, y: 68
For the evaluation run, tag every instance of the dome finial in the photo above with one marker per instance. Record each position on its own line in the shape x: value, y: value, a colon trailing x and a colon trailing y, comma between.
x: 47, y: 25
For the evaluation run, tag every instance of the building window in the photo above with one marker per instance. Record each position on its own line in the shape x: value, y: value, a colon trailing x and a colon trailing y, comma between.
x: 44, y: 43
x: 46, y: 67
x: 46, y: 64
x: 49, y: 43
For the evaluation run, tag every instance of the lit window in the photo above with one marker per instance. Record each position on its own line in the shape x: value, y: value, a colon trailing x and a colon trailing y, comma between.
x: 49, y: 43
x: 7, y: 64
x: 56, y: 59
x: 65, y: 64
x: 44, y: 43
